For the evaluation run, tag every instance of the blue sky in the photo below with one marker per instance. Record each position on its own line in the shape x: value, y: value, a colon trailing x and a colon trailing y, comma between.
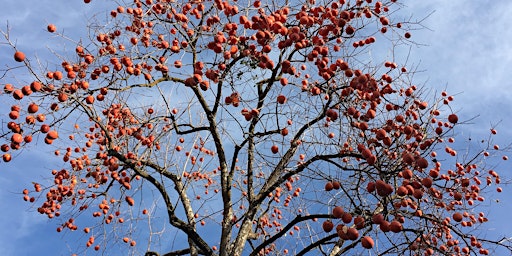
x: 467, y: 51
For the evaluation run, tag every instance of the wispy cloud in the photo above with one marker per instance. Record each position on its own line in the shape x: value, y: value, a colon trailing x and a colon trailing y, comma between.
x: 469, y: 51
x: 23, y: 231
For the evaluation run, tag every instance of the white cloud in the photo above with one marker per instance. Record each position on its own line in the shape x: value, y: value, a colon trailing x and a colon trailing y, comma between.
x: 469, y: 50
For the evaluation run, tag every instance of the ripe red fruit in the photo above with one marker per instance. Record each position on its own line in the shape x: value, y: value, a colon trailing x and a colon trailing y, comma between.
x: 130, y: 200
x: 380, y: 185
x: 457, y: 217
x: 370, y: 187
x: 26, y: 90
x: 52, y: 135
x: 51, y: 28
x: 336, y: 185
x: 281, y: 99
x: 14, y: 115
x: 33, y: 108
x: 366, y: 153
x: 328, y: 186
x: 57, y: 75
x: 383, y: 188
x: 36, y: 86
x: 377, y: 218
x: 384, y: 20
x: 380, y: 134
x: 327, y: 226
x: 407, y: 158
x: 283, y: 81
x: 367, y: 242
x: 17, y: 138
x: 453, y: 118
x: 417, y: 193
x: 6, y: 157
x: 395, y: 226
x: 384, y: 226
x: 359, y: 222
x: 274, y: 149
x: 8, y: 88
x: 426, y: 182
x: 341, y: 230
x: 337, y: 211
x: 352, y: 233
x: 346, y: 217
x: 332, y: 114
x: 27, y: 139
x: 89, y: 99
x: 19, y: 56
x: 457, y: 196
x: 284, y: 131
x: 422, y: 162
x: 45, y: 128
x: 350, y: 30
x: 401, y: 191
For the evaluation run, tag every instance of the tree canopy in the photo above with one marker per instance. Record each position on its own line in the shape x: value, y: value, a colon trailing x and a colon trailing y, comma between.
x: 249, y: 128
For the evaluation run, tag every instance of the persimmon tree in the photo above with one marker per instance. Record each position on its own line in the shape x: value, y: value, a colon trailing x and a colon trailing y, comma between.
x: 248, y: 128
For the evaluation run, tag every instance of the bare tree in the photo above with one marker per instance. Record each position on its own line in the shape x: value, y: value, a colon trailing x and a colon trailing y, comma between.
x: 250, y: 128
